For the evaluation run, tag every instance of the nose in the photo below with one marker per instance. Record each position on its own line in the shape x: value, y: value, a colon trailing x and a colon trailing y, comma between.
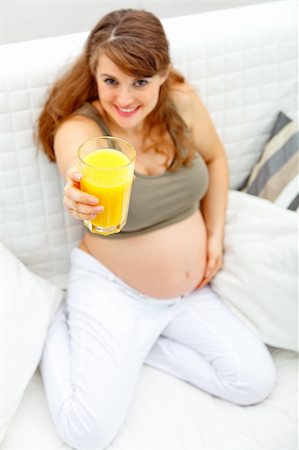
x: 124, y: 97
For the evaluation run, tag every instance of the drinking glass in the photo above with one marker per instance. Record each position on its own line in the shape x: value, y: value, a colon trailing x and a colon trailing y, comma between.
x: 107, y: 167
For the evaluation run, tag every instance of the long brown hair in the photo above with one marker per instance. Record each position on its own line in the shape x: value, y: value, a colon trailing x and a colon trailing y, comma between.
x: 135, y: 41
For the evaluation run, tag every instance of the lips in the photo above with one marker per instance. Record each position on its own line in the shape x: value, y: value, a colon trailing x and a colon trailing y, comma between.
x: 126, y: 112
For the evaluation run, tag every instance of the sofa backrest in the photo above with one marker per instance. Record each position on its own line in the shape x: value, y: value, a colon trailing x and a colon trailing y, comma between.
x: 243, y: 62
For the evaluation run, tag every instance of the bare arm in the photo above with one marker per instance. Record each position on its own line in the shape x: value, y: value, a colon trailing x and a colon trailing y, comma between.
x: 213, y: 205
x: 210, y: 147
x: 67, y: 140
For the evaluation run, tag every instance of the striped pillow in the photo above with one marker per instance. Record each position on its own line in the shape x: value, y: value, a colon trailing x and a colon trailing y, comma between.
x: 275, y: 176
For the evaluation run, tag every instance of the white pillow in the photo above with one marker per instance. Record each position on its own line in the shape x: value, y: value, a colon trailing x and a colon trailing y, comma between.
x: 259, y: 279
x: 27, y: 305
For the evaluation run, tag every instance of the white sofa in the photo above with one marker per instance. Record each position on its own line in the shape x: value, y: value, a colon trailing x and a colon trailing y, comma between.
x: 244, y: 63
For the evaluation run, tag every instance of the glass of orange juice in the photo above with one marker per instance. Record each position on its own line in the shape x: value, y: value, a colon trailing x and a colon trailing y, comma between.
x: 107, y: 167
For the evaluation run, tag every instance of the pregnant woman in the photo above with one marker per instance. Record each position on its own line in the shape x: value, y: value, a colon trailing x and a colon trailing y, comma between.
x: 141, y: 295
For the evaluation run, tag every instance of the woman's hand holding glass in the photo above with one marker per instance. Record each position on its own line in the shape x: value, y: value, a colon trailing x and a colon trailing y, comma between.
x: 80, y: 205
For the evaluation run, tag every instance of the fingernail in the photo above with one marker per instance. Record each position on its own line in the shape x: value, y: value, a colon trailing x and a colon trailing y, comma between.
x: 93, y: 200
x: 77, y: 176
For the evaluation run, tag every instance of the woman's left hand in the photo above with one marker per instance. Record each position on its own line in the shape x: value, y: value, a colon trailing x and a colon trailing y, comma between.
x: 214, y: 259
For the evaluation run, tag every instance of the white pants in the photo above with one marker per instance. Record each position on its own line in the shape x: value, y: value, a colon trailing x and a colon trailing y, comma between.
x: 106, y: 330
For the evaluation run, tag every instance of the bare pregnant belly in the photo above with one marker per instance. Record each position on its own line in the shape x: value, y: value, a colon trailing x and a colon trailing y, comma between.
x: 164, y: 263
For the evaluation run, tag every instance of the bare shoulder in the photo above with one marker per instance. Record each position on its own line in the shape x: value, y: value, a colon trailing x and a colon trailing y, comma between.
x: 182, y: 93
x: 74, y: 128
x: 196, y: 116
x: 69, y: 136
x: 187, y: 101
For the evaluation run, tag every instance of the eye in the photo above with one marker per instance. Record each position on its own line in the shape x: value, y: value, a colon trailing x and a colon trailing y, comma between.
x: 141, y: 83
x: 110, y: 81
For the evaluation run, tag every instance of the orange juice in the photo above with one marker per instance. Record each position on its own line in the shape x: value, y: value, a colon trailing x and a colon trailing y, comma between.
x: 108, y: 174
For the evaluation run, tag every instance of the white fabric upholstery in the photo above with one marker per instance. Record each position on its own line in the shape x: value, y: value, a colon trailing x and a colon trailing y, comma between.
x: 27, y: 305
x: 259, y: 279
x: 244, y: 63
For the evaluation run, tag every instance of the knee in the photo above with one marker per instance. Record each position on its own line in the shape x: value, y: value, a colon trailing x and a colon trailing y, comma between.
x: 85, y: 432
x: 91, y: 439
x: 257, y: 383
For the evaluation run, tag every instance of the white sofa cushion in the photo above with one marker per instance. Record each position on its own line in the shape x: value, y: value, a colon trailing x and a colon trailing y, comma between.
x: 259, y: 279
x: 27, y: 306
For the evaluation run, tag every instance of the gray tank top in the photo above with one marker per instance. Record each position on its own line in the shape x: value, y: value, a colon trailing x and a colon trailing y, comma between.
x: 158, y: 200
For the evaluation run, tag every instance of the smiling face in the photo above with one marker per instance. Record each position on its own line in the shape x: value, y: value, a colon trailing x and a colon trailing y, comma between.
x: 126, y: 100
